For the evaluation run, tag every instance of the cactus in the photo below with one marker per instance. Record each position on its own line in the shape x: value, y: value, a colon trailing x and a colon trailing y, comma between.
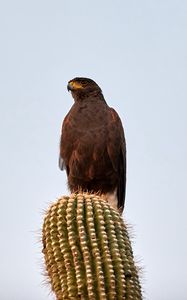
x: 87, y: 251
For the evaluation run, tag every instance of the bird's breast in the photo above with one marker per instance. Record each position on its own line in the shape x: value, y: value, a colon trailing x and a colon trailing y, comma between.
x: 87, y: 117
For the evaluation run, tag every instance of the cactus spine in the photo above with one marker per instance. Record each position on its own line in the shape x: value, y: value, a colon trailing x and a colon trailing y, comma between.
x: 87, y: 251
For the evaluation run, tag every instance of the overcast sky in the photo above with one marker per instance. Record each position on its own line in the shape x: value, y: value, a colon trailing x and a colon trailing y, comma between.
x: 137, y: 52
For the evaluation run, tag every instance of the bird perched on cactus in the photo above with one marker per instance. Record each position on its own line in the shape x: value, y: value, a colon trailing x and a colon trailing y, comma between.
x: 92, y: 145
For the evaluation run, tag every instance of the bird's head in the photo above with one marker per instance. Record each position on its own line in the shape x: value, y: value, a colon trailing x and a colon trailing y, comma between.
x: 81, y: 88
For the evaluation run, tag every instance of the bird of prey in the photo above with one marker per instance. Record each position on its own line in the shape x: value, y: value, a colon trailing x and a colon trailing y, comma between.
x: 92, y: 145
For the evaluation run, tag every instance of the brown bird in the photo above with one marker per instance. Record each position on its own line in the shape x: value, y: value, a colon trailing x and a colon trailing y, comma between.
x: 92, y: 145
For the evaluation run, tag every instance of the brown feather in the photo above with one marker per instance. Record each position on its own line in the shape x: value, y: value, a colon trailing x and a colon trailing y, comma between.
x: 92, y: 145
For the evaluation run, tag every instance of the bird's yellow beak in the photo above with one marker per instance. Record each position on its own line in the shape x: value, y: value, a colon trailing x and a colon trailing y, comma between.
x: 73, y: 85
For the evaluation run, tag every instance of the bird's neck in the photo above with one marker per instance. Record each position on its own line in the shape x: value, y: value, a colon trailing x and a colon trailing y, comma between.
x: 92, y: 96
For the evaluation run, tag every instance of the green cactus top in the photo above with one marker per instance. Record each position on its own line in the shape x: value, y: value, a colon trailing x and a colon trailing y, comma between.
x: 87, y: 251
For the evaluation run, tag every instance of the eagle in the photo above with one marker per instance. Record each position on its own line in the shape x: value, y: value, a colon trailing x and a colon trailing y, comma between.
x: 92, y: 144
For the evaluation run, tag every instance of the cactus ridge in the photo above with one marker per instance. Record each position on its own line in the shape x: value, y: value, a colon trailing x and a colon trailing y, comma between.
x: 87, y: 251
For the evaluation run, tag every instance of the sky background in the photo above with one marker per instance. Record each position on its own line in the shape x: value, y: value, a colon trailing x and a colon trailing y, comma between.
x: 137, y: 52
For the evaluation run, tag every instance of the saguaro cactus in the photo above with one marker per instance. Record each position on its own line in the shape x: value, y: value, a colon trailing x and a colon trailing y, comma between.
x: 87, y: 251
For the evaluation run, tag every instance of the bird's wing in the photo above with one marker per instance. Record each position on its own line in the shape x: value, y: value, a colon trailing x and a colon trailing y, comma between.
x: 117, y: 153
x: 61, y: 162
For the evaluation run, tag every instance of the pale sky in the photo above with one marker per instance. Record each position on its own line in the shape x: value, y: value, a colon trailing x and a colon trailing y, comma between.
x: 137, y: 52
